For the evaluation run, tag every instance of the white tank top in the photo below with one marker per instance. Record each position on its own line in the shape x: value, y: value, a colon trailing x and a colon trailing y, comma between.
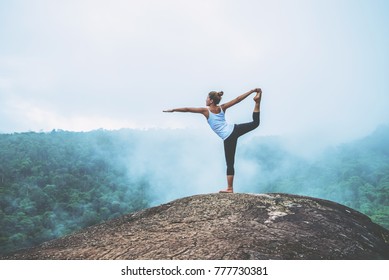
x: 219, y: 125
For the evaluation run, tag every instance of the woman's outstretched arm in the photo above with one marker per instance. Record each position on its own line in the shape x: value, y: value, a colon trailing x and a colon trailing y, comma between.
x: 238, y: 99
x: 203, y: 111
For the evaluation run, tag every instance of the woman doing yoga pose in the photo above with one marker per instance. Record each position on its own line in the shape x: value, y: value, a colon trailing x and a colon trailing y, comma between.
x: 229, y: 133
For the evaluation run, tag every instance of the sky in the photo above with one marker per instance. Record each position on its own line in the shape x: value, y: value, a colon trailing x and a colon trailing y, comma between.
x: 83, y: 65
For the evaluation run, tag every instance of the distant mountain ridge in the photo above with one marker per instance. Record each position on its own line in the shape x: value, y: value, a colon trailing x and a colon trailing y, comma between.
x: 53, y: 184
x: 227, y: 226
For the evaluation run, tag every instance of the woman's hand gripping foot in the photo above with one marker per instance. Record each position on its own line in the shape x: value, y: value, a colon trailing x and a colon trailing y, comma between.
x: 257, y: 97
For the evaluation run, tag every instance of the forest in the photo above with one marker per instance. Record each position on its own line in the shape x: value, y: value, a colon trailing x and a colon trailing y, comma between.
x: 55, y: 183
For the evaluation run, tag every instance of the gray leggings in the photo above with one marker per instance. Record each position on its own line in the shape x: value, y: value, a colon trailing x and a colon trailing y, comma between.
x: 232, y: 140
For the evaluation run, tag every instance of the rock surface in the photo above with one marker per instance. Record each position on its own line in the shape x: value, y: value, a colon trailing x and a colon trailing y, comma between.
x: 227, y: 226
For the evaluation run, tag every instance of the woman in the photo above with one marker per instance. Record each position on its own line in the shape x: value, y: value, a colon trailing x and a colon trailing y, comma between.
x: 228, y: 132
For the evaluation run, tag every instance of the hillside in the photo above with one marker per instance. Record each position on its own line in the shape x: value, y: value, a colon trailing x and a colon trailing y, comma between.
x: 54, y: 184
x: 227, y: 226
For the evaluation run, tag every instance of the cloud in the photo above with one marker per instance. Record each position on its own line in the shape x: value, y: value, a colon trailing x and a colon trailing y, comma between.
x: 81, y: 65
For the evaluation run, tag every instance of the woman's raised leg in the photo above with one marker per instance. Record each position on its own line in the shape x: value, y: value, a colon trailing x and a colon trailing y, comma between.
x: 231, y: 142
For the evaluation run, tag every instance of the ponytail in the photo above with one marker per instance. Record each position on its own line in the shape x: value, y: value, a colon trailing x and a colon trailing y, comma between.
x: 216, y: 96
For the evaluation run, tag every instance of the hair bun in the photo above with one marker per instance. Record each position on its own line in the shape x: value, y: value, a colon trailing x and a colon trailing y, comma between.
x: 220, y: 93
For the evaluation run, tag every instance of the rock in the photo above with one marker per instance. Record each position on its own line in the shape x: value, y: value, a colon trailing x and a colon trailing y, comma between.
x: 227, y: 226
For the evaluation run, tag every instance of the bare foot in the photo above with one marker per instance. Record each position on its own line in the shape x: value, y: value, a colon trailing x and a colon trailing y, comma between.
x: 257, y: 98
x: 227, y: 191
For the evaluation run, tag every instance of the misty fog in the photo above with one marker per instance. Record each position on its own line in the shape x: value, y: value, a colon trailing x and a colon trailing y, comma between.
x: 52, y: 184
